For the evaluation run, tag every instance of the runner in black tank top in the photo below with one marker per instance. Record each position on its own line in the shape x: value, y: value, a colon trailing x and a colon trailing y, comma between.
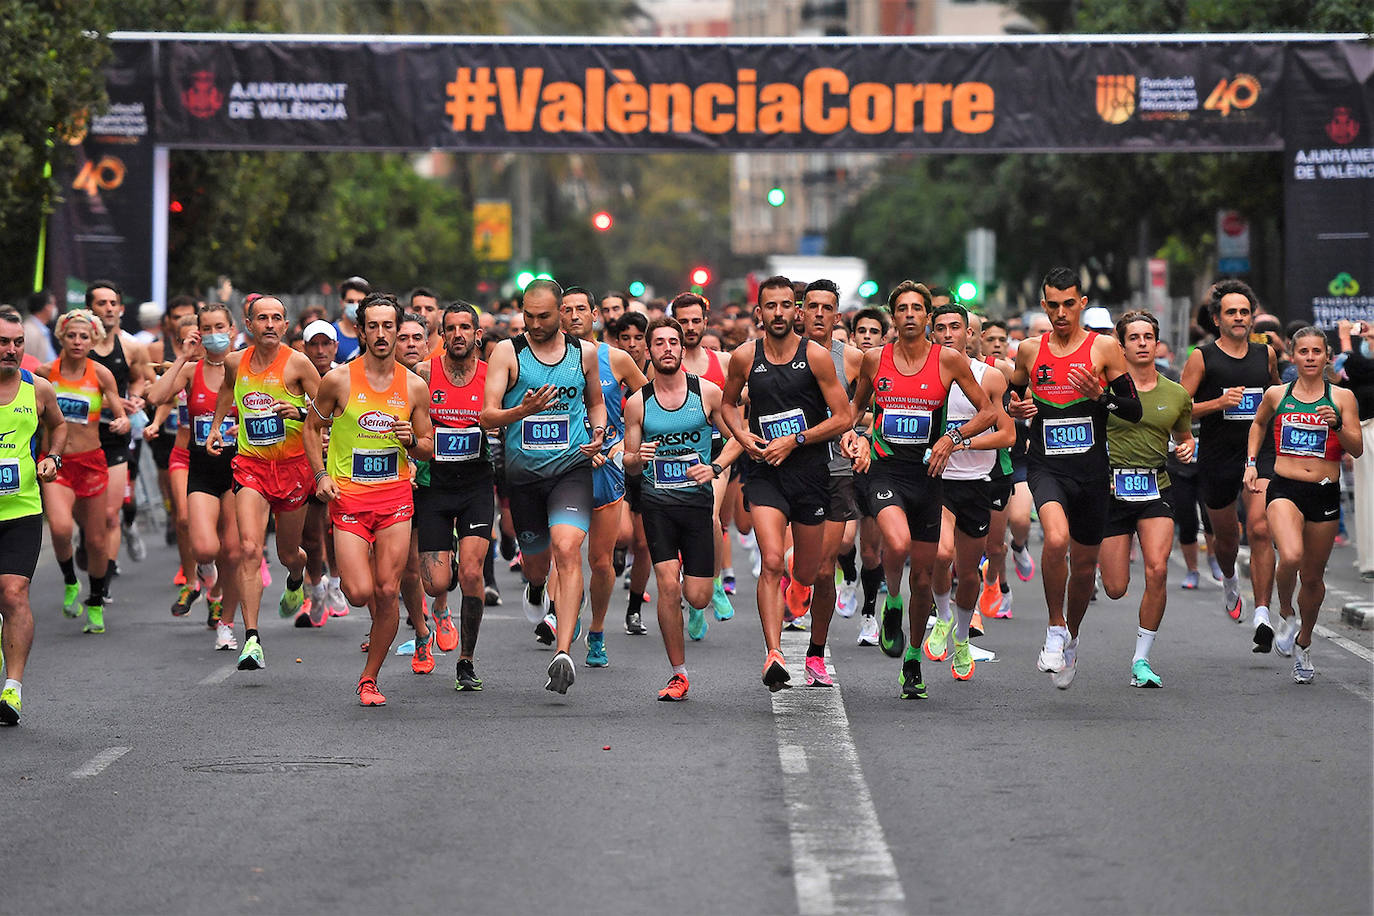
x: 1226, y: 380
x: 792, y: 384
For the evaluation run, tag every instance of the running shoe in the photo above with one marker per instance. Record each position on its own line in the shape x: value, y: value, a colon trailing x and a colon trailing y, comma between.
x: 892, y: 639
x: 1216, y: 568
x: 1235, y: 608
x: 975, y: 626
x: 989, y: 600
x: 790, y: 622
x: 775, y: 676
x: 561, y: 673
x: 696, y: 623
x: 180, y: 577
x: 335, y: 600
x: 962, y: 665
x: 546, y: 630
x: 1064, y: 676
x: 446, y: 634
x: 1025, y: 563
x: 847, y: 598
x: 291, y: 600
x: 517, y: 562
x: 676, y: 689
x: 316, y: 608
x: 535, y: 611
x: 224, y: 637
x: 1052, y: 654
x: 755, y: 561
x: 95, y: 619
x: 1303, y: 672
x: 936, y: 645
x: 596, y: 650
x: 214, y: 610
x: 1264, y: 636
x: 71, y: 594
x: 133, y: 540
x: 467, y: 678
x: 913, y: 685
x: 251, y: 658
x: 366, y: 644
x: 9, y: 706
x: 508, y: 547
x: 817, y: 675
x: 368, y: 694
x: 1004, y: 608
x: 491, y: 596
x: 207, y: 574
x: 1190, y: 581
x: 265, y: 573
x: 728, y: 583
x: 720, y: 602
x: 868, y: 630
x: 1142, y: 675
x: 422, y: 662
x: 634, y: 624
x: 1287, y: 635
x: 797, y: 598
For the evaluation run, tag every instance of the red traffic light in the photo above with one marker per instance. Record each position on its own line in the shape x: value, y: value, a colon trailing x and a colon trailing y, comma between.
x: 701, y: 276
x: 602, y: 221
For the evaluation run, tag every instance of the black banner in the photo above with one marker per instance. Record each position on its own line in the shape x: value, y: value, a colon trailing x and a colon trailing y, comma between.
x: 562, y: 95
x: 1329, y: 182
x: 103, y: 229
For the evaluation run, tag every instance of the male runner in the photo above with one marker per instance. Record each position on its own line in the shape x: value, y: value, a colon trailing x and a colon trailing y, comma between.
x: 377, y: 413
x: 351, y: 293
x: 28, y: 404
x: 1009, y: 497
x: 907, y: 383
x: 966, y: 486
x: 544, y: 387
x: 612, y: 306
x: 424, y: 303
x: 871, y: 327
x: 320, y: 340
x: 1226, y: 380
x: 668, y: 426
x: 1067, y: 463
x: 792, y: 384
x: 270, y: 384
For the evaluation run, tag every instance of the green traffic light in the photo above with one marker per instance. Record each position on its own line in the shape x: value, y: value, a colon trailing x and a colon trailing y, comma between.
x: 776, y: 197
x: 545, y: 275
x: 967, y: 291
x: 524, y: 279
x: 868, y: 288
x: 636, y: 288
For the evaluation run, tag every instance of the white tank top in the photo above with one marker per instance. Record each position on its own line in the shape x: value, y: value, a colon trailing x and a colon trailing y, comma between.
x: 970, y: 464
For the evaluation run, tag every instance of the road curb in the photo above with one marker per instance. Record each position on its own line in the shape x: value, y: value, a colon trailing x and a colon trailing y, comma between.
x: 1359, y: 614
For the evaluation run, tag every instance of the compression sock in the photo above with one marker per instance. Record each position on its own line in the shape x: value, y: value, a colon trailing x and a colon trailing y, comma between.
x: 871, y: 579
x: 68, y: 568
x: 846, y: 561
x: 961, y: 624
x: 942, y: 607
x: 813, y: 650
x: 97, y: 598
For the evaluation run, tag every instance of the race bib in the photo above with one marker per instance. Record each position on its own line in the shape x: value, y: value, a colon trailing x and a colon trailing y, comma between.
x: 457, y: 444
x: 264, y: 429
x: 671, y: 473
x: 1068, y: 436
x: 1245, y: 410
x: 75, y: 408
x: 200, y: 430
x: 376, y: 465
x: 1135, y: 485
x: 544, y: 432
x: 1303, y: 440
x: 780, y: 425
x: 9, y: 476
x: 907, y: 427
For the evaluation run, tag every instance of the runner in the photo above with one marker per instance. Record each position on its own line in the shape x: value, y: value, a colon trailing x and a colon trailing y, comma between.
x: 351, y: 293
x: 619, y: 377
x: 377, y: 414
x: 996, y: 597
x: 425, y: 304
x: 907, y: 383
x: 668, y: 428
x: 28, y: 410
x: 967, y: 497
x: 1226, y: 379
x: 1314, y: 424
x: 326, y: 599
x: 871, y: 326
x: 792, y: 385
x: 1068, y: 469
x: 544, y: 387
x: 82, y: 388
x: 162, y: 437
x: 1142, y: 493
x: 457, y: 497
x: 267, y: 385
x: 412, y: 348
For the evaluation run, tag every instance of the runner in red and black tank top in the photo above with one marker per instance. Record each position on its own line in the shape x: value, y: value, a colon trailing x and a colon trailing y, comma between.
x: 1068, y: 435
x: 453, y: 408
x: 909, y: 410
x: 200, y: 409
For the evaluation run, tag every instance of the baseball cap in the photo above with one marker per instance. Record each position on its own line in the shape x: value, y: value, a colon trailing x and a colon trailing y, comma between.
x: 1098, y: 318
x: 320, y: 326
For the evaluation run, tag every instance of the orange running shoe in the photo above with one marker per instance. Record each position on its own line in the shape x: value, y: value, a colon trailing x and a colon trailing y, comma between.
x: 180, y: 577
x: 775, y: 675
x: 975, y: 627
x: 797, y: 598
x: 422, y: 662
x: 676, y: 689
x: 368, y: 694
x: 446, y: 635
x: 989, y: 600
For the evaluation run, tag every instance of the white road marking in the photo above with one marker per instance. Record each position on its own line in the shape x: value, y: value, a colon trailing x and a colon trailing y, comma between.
x: 216, y: 677
x: 1346, y: 644
x: 840, y: 858
x: 99, y: 762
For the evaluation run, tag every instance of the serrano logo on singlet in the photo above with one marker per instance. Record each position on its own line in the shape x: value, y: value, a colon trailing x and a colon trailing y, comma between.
x: 375, y: 421
x: 258, y: 400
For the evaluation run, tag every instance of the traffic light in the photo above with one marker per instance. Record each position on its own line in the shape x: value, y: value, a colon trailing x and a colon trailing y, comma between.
x: 601, y: 221
x: 868, y: 288
x: 776, y: 197
x: 967, y: 291
x: 636, y: 288
x: 701, y: 276
x: 524, y: 279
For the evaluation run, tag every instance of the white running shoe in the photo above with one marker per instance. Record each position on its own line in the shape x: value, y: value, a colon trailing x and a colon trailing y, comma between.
x: 868, y: 630
x: 335, y: 600
x: 534, y: 611
x: 1303, y: 672
x: 1005, y: 609
x: 1052, y: 655
x: 224, y: 637
x: 1064, y: 676
x: 1286, y: 636
x: 755, y: 561
x: 847, y: 599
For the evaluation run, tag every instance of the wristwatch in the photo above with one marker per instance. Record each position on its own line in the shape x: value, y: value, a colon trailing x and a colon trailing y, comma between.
x: 801, y: 438
x: 57, y: 460
x: 955, y: 436
x: 716, y: 470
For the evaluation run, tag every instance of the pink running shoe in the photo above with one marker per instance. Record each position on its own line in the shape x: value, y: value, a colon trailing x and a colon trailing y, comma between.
x: 816, y: 673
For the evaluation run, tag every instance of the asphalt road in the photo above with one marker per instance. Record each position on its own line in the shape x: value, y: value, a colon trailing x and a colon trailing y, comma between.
x: 149, y: 776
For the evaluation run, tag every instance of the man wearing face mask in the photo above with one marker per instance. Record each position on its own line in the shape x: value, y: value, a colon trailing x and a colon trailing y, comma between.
x: 351, y: 292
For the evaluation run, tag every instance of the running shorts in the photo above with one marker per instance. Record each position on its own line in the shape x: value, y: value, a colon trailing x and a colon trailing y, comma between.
x: 1318, y: 502
x: 1124, y: 514
x: 608, y: 485
x: 538, y: 505
x: 999, y: 493
x: 908, y: 487
x: 213, y: 474
x: 178, y: 459
x: 115, y: 447
x: 439, y: 512
x: 20, y: 541
x: 843, y: 506
x: 1085, y: 502
x: 971, y: 505
x: 284, y: 483
x: 682, y: 530
x: 800, y: 491
x: 366, y: 514
x: 162, y: 446
x: 84, y: 473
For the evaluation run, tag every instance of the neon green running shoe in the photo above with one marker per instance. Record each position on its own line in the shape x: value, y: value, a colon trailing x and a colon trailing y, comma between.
x: 292, y: 600
x: 891, y: 639
x: 962, y: 666
x: 937, y: 643
x: 71, y: 607
x: 251, y: 659
x: 1142, y: 675
x: 95, y: 619
x: 9, y: 706
x: 913, y: 685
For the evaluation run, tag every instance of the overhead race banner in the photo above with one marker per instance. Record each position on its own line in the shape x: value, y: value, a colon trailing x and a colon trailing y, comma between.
x: 726, y: 96
x: 1329, y: 183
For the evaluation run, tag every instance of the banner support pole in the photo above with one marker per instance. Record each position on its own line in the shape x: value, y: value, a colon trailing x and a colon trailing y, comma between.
x: 162, y: 179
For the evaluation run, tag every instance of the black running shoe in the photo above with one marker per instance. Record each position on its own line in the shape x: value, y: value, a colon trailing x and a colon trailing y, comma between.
x: 508, y: 547
x: 634, y: 624
x: 913, y: 685
x: 467, y: 676
x: 1264, y: 638
x: 890, y: 635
